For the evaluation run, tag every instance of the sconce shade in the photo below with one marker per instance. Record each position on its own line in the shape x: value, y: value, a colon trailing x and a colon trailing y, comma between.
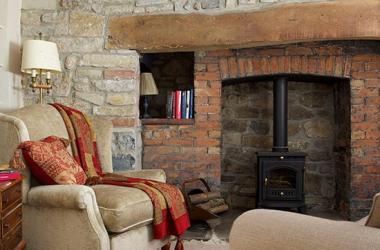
x: 147, y: 85
x: 40, y: 55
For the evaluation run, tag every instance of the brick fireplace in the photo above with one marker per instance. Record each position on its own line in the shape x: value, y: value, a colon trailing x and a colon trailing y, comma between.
x: 196, y: 150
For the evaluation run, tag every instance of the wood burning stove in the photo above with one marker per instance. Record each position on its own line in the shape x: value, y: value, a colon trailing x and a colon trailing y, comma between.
x: 281, y: 180
x: 281, y: 173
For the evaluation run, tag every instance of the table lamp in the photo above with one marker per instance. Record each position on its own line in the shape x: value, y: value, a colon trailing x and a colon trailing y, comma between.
x: 40, y: 59
x: 147, y: 87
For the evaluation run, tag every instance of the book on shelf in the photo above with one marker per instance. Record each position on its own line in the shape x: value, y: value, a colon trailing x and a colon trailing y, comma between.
x: 169, y: 104
x: 180, y: 104
x: 191, y: 108
x: 183, y: 104
x: 173, y: 104
x: 187, y: 110
x: 9, y: 174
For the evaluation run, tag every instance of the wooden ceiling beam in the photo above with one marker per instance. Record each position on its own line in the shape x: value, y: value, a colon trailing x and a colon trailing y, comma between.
x: 280, y: 24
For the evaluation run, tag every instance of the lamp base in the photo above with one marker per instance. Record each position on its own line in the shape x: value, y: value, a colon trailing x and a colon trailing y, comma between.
x: 146, y: 114
x: 41, y: 87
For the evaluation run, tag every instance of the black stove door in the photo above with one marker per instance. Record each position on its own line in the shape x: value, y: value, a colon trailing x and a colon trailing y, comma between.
x: 283, y: 180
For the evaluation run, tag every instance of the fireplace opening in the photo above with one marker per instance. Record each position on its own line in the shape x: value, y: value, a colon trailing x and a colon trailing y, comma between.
x: 318, y: 126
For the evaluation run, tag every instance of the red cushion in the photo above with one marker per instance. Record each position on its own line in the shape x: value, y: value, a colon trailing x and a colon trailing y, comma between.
x: 50, y: 163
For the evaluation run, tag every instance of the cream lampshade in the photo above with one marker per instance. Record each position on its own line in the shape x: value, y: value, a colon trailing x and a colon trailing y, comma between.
x: 40, y: 54
x: 40, y: 58
x: 147, y: 87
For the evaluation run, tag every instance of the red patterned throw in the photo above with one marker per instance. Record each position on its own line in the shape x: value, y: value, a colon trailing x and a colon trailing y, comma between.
x: 50, y: 163
x: 82, y: 138
x: 170, y: 213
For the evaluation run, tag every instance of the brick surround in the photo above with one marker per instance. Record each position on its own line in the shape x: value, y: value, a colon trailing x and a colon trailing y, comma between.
x: 189, y: 151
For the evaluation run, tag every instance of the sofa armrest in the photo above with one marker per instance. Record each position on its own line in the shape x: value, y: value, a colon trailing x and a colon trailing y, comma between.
x: 373, y: 219
x: 151, y: 174
x: 62, y: 196
x: 270, y: 229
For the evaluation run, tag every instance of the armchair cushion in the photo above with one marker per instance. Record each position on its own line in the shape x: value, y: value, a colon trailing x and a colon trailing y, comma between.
x: 51, y: 163
x: 151, y: 174
x: 123, y: 208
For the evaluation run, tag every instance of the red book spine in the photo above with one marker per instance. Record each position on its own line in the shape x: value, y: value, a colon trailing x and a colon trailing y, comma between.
x: 178, y: 104
x: 9, y: 176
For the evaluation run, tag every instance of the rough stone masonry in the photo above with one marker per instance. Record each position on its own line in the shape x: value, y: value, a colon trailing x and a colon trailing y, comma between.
x: 100, y: 81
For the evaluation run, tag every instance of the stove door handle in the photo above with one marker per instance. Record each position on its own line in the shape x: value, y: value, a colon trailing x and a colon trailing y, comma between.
x: 266, y: 181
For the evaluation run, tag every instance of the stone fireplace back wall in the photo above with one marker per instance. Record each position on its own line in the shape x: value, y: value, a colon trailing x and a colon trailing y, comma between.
x: 195, y: 150
x: 247, y: 114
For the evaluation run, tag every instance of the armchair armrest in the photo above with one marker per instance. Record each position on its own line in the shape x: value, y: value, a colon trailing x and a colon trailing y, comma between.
x: 373, y: 219
x: 69, y: 213
x: 151, y: 174
x: 62, y: 196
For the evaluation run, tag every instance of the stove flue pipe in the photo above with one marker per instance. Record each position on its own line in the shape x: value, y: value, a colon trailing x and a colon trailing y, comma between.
x: 280, y: 115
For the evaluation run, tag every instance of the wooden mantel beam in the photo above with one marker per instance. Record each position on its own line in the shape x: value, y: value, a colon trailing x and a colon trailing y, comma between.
x: 282, y: 24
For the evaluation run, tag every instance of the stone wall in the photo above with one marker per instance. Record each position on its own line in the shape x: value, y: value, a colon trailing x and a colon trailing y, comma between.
x: 100, y: 81
x: 247, y: 111
x: 95, y: 80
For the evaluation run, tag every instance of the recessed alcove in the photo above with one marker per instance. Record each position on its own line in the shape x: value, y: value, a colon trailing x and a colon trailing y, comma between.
x: 318, y: 125
x: 171, y: 71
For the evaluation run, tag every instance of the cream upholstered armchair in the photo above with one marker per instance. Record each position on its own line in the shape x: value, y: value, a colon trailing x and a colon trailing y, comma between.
x: 78, y: 216
x: 265, y: 229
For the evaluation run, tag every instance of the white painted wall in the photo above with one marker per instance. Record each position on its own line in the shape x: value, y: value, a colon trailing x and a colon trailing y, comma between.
x: 10, y: 55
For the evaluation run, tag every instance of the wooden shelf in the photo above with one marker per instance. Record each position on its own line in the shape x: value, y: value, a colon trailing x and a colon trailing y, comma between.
x: 167, y: 121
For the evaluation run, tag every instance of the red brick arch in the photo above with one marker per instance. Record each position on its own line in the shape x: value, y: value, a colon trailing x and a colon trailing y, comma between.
x: 286, y: 60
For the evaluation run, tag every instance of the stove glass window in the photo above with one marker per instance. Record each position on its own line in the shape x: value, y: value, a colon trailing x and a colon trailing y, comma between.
x: 281, y: 178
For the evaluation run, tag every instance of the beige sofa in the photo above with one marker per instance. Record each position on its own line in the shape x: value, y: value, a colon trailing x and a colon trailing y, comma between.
x: 77, y: 216
x: 264, y: 229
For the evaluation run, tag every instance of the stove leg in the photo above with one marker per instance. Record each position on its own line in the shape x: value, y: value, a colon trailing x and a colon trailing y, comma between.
x: 301, y: 210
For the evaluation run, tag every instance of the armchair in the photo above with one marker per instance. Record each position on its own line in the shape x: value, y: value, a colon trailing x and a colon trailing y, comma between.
x: 78, y: 216
x: 266, y: 229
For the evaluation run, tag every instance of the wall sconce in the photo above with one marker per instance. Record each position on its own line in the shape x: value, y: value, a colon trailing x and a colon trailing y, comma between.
x: 40, y: 58
x: 147, y: 87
